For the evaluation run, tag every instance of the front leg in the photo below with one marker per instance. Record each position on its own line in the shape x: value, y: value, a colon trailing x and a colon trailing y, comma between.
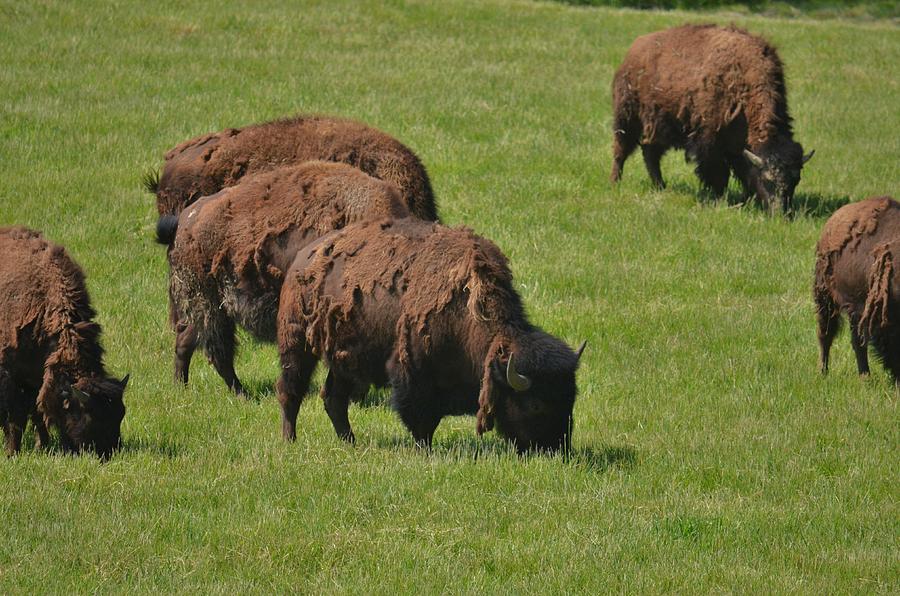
x: 414, y: 400
x: 860, y: 349
x: 297, y: 367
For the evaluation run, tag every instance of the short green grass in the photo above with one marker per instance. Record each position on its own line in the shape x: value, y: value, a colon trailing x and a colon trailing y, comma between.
x: 710, y: 455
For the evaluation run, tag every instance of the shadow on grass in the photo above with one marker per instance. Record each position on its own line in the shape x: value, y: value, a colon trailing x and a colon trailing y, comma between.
x: 163, y: 448
x: 594, y: 459
x: 808, y: 205
x: 257, y: 390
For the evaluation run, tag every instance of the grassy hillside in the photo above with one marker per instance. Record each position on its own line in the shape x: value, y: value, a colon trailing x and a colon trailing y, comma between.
x: 710, y: 455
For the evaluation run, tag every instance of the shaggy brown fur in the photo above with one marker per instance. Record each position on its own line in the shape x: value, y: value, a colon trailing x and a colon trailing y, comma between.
x: 432, y: 311
x: 713, y: 91
x: 51, y: 362
x: 858, y: 272
x: 209, y: 163
x: 230, y: 250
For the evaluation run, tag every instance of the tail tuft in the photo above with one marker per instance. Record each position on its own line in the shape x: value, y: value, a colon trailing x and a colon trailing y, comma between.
x: 166, y: 227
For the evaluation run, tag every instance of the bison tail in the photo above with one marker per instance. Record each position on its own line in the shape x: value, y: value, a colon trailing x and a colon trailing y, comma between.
x: 875, y: 314
x: 166, y: 228
x: 150, y: 181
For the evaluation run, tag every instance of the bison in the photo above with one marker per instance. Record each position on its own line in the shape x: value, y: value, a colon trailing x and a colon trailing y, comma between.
x: 432, y: 311
x: 204, y: 165
x: 719, y: 94
x: 51, y: 361
x: 228, y: 252
x: 858, y: 272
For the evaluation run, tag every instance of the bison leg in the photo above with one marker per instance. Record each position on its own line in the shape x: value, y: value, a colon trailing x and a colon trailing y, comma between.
x: 652, y: 155
x: 336, y: 394
x: 185, y: 344
x: 297, y: 368
x: 713, y: 174
x: 41, y: 436
x: 624, y: 145
x: 828, y: 322
x: 414, y: 405
x: 14, y: 412
x: 859, y: 348
x: 220, y: 349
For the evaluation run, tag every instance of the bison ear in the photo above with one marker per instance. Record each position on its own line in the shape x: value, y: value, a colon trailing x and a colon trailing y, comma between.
x: 808, y: 156
x: 753, y: 158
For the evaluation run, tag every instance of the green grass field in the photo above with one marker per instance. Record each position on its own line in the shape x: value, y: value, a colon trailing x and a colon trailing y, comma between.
x: 709, y: 453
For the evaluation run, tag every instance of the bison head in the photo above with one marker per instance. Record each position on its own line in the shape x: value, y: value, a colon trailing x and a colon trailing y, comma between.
x: 533, y: 393
x: 92, y: 415
x: 774, y: 172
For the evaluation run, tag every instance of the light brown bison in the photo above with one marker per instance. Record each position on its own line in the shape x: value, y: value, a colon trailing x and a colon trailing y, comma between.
x: 431, y: 311
x: 719, y: 94
x: 228, y: 252
x: 204, y: 165
x: 51, y: 361
x: 858, y: 272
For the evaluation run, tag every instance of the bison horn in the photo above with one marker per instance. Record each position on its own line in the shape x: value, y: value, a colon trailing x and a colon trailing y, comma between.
x: 514, y: 379
x: 580, y: 350
x: 753, y: 158
x: 124, y: 381
x: 80, y: 395
x: 808, y: 156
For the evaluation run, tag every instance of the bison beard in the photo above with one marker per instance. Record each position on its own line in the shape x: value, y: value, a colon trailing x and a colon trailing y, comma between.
x: 51, y: 361
x: 431, y: 311
x: 205, y: 165
x: 719, y: 94
x: 856, y: 272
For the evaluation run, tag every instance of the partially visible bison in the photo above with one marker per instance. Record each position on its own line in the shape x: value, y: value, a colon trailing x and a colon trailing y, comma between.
x: 432, y: 311
x: 204, y: 165
x: 228, y: 252
x: 51, y: 361
x: 719, y: 94
x: 858, y: 272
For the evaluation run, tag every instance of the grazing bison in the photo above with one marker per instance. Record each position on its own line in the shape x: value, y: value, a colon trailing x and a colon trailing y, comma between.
x: 858, y: 272
x: 209, y: 163
x: 432, y: 311
x: 719, y: 94
x: 51, y: 362
x: 228, y: 252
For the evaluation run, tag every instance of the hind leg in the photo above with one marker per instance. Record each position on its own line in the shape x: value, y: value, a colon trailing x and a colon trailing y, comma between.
x: 624, y: 144
x: 828, y: 322
x: 713, y: 174
x: 859, y: 348
x: 652, y: 155
x: 185, y: 344
x: 297, y: 367
x: 337, y: 393
x: 219, y: 346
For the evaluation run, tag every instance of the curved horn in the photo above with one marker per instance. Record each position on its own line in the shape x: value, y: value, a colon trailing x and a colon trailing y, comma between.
x: 80, y: 395
x: 124, y: 381
x: 580, y: 350
x: 808, y: 156
x: 753, y: 158
x: 514, y: 379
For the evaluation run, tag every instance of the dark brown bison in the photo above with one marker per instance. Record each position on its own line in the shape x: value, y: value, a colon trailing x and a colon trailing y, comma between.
x: 432, y: 311
x: 205, y: 165
x: 228, y: 252
x: 858, y: 272
x: 719, y: 94
x: 51, y: 362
